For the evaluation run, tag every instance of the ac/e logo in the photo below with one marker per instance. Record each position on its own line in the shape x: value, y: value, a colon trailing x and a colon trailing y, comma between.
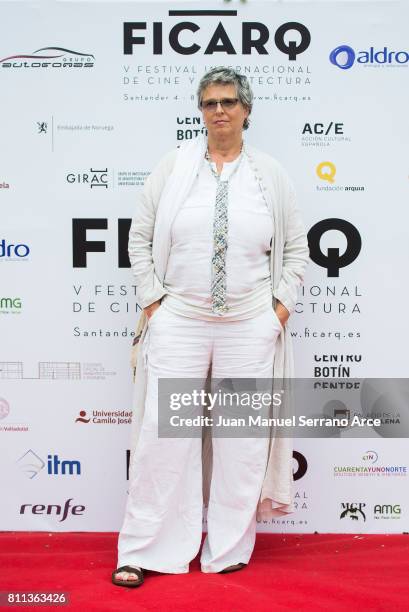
x: 322, y: 129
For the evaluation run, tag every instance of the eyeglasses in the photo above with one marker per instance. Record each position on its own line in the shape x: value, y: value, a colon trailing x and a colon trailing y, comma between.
x: 225, y: 103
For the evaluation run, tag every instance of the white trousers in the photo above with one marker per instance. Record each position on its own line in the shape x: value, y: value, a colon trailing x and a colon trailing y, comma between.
x: 162, y: 527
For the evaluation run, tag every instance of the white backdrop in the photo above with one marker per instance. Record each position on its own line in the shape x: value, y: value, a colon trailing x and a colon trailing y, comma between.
x: 86, y: 114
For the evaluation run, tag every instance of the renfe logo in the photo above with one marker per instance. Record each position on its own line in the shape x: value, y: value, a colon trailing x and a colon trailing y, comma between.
x: 344, y: 57
x: 56, y: 509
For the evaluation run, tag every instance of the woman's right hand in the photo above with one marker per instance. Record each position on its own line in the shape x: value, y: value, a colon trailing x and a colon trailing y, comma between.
x: 149, y: 310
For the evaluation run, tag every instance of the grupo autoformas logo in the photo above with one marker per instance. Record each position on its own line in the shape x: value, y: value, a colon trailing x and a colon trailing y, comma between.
x: 49, y: 57
x: 345, y: 57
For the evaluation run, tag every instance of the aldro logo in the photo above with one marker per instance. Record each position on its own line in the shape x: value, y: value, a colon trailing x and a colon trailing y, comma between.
x: 345, y: 57
x: 291, y: 38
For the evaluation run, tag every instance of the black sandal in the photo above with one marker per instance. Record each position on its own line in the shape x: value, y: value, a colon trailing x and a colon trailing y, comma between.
x: 232, y: 568
x: 128, y: 583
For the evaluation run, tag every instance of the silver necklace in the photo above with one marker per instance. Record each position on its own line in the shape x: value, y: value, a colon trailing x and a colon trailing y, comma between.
x: 217, y: 176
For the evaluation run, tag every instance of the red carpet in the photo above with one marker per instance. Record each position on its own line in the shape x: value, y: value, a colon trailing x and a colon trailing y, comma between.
x: 286, y: 572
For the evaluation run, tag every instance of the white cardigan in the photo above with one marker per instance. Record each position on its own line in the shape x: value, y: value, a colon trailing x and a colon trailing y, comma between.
x: 149, y: 246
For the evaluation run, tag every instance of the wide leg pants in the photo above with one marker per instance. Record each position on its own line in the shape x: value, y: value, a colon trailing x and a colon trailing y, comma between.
x: 162, y: 527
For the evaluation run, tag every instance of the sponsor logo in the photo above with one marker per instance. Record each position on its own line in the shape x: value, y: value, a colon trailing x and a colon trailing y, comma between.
x: 345, y: 57
x: 4, y: 413
x: 192, y: 127
x: 59, y: 58
x: 31, y: 465
x: 104, y: 178
x: 54, y: 509
x: 387, y: 511
x: 323, y: 134
x: 57, y: 370
x: 106, y: 417
x: 354, y: 511
x: 10, y: 305
x: 93, y: 178
x: 368, y: 467
x: 13, y: 252
x: 326, y: 171
x: 370, y: 456
x: 340, y: 367
x: 4, y: 408
x: 42, y: 127
x: 342, y: 414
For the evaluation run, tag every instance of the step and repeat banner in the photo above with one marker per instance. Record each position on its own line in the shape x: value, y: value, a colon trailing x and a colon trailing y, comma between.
x: 92, y: 95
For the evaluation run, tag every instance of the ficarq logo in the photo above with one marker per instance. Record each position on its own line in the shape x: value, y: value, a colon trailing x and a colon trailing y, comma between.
x: 345, y: 57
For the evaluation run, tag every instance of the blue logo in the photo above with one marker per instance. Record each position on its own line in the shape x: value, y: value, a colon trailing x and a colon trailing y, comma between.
x: 345, y: 57
x: 31, y: 465
x: 13, y: 250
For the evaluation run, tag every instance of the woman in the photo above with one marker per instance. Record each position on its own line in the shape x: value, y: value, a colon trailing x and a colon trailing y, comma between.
x: 219, y: 251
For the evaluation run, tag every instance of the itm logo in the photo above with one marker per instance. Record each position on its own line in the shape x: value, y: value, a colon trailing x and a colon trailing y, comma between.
x: 254, y: 36
x: 370, y: 456
x: 332, y: 260
x: 93, y: 178
x: 31, y: 464
x: 326, y: 171
x: 354, y: 511
x: 344, y: 57
x: 13, y: 251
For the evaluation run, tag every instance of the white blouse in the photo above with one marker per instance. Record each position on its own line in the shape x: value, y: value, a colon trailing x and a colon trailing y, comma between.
x: 250, y: 231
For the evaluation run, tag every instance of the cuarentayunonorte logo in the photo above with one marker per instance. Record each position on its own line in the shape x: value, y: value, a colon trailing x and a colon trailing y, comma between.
x: 345, y: 57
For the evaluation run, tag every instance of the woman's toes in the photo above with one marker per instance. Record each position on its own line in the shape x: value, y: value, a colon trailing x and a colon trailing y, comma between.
x: 127, y: 576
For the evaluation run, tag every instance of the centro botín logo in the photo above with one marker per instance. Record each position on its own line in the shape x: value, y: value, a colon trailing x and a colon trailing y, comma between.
x: 345, y: 57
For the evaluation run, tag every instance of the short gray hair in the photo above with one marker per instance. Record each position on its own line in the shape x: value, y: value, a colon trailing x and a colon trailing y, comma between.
x: 228, y: 76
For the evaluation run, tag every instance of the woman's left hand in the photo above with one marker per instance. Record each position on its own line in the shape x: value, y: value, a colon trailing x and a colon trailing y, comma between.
x: 282, y: 313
